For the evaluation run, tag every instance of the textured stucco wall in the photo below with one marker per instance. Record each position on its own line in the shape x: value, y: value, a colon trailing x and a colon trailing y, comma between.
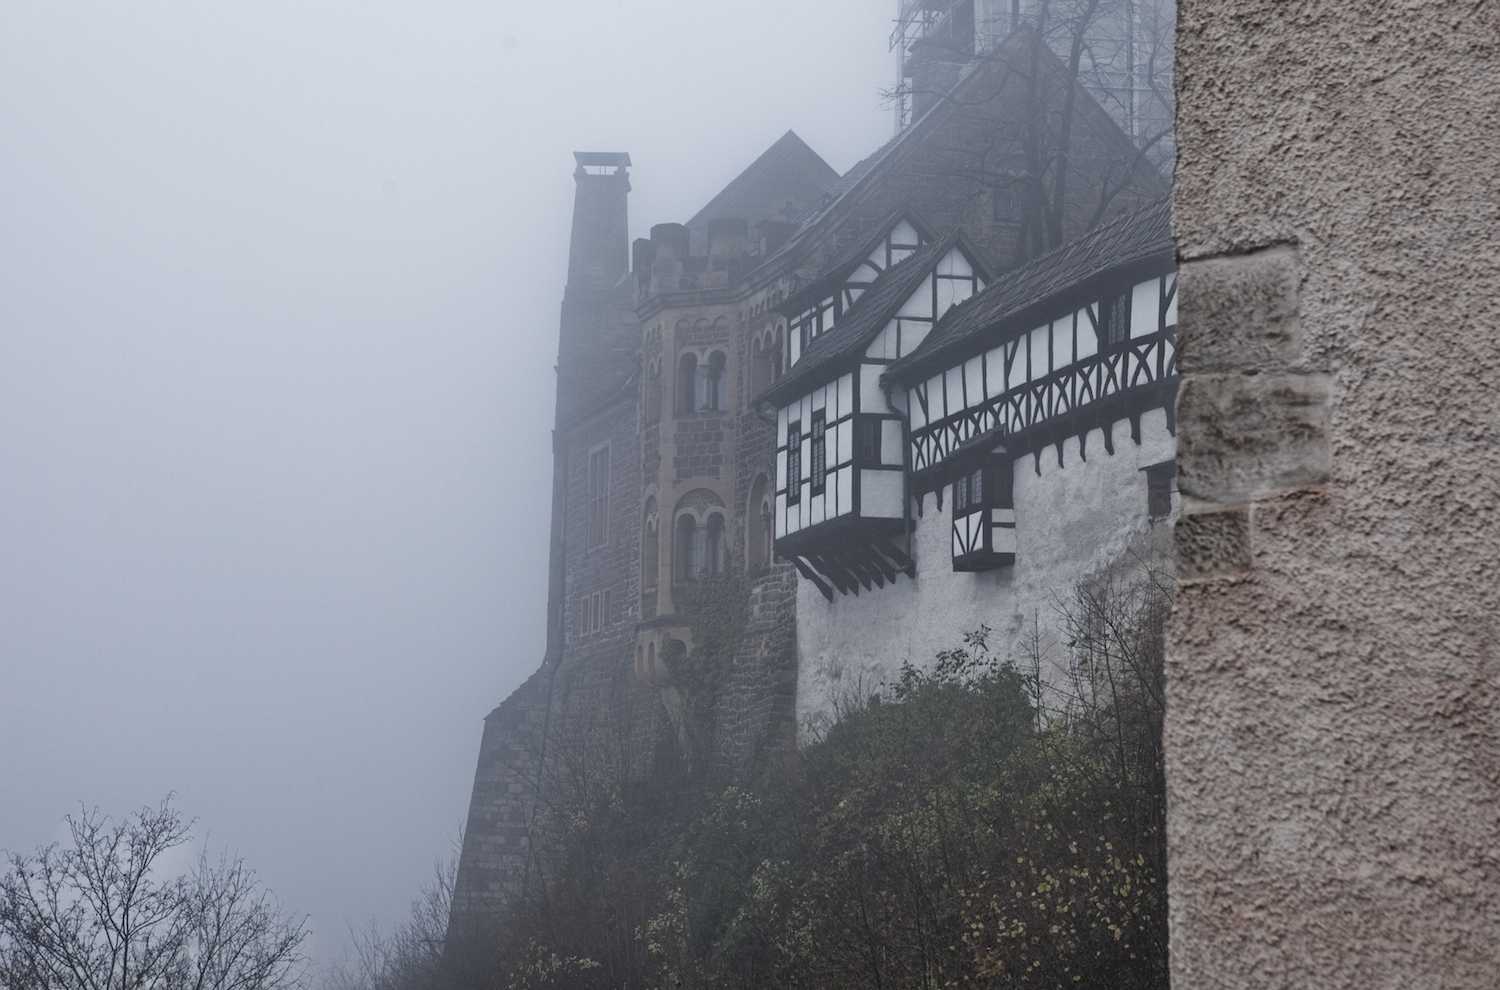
x: 1071, y: 522
x: 1333, y: 732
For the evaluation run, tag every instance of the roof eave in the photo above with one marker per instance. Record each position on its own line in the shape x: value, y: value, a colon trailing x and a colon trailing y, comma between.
x: 921, y: 363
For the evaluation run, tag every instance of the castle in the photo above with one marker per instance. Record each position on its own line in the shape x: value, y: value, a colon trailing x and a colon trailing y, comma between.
x: 900, y: 403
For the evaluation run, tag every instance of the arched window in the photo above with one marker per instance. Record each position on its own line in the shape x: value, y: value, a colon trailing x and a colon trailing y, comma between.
x: 713, y: 545
x: 651, y: 402
x: 687, y: 383
x: 712, y: 392
x: 758, y: 524
x: 777, y: 353
x: 761, y: 373
x: 650, y: 546
x: 688, y: 552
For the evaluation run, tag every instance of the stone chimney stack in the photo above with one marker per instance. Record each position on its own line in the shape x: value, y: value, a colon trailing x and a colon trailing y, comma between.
x: 598, y: 253
x: 590, y: 345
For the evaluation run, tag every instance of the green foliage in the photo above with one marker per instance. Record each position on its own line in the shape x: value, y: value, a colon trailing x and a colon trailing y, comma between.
x: 971, y: 830
x: 716, y: 614
x: 540, y: 968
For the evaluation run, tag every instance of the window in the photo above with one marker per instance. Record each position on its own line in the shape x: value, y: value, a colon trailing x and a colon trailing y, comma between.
x: 594, y: 612
x: 1004, y: 203
x: 968, y: 493
x: 869, y: 441
x: 758, y: 525
x: 713, y: 546
x: 711, y: 383
x: 1116, y: 319
x: 598, y: 511
x: 650, y: 560
x: 686, y: 550
x: 819, y: 455
x: 1161, y: 482
x: 794, y: 462
x: 652, y: 400
x: 760, y: 367
x: 687, y: 383
x: 700, y: 549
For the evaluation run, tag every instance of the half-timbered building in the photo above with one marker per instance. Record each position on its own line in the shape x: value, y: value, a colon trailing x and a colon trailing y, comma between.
x: 1025, y: 439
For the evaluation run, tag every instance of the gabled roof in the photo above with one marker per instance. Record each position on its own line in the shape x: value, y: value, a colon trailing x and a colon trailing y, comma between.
x: 786, y: 171
x: 811, y: 217
x: 1010, y: 59
x: 834, y: 275
x: 808, y: 219
x: 831, y: 353
x: 1016, y: 302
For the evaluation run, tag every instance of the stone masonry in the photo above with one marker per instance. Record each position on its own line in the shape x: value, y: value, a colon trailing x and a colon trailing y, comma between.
x: 1333, y: 732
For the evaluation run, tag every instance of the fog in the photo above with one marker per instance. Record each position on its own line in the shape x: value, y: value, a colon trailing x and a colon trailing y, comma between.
x: 279, y: 285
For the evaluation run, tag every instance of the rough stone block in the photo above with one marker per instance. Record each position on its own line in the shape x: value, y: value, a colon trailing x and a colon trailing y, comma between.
x: 1211, y: 541
x: 1239, y: 313
x: 1242, y: 437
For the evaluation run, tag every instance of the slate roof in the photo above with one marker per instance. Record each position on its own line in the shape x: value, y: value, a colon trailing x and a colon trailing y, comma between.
x: 827, y: 355
x: 807, y: 220
x: 999, y: 61
x: 1016, y: 297
x: 788, y: 169
x: 838, y: 270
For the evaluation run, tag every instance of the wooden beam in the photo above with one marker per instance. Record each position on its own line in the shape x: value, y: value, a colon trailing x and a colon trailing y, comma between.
x: 831, y: 568
x: 903, y: 563
x: 849, y: 559
x: 821, y: 565
x: 812, y: 576
x: 879, y: 561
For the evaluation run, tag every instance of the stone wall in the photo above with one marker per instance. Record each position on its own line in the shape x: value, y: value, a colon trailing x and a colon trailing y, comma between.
x: 1333, y: 737
x: 495, y: 845
x: 1073, y: 519
x: 756, y: 714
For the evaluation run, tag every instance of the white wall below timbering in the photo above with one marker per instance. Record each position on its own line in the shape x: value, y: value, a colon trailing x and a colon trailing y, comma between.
x: 1071, y: 522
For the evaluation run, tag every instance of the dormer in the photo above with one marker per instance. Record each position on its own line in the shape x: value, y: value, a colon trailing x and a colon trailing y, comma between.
x: 816, y: 309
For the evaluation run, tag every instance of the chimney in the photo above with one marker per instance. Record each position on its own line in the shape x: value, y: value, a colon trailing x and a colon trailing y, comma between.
x: 598, y: 254
x: 728, y: 237
x: 773, y: 234
x: 642, y: 254
x: 671, y: 240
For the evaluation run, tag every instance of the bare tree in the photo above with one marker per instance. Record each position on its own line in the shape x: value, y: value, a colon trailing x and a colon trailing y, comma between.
x: 415, y: 955
x: 98, y: 915
x: 1063, y: 113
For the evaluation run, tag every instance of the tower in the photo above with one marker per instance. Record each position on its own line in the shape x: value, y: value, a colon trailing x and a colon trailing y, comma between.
x: 592, y: 364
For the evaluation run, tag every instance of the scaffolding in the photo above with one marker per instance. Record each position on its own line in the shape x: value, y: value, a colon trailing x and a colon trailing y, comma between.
x: 1116, y: 67
x: 915, y: 20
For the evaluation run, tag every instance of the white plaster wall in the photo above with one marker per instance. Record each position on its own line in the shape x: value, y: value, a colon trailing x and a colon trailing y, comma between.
x: 1070, y: 522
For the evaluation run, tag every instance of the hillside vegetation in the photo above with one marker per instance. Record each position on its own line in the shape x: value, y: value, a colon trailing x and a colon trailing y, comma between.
x: 972, y: 826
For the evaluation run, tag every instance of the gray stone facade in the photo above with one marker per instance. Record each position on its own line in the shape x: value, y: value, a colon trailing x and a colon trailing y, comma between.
x: 687, y: 459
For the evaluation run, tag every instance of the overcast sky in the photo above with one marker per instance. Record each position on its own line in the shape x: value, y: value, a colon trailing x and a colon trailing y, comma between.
x: 279, y: 284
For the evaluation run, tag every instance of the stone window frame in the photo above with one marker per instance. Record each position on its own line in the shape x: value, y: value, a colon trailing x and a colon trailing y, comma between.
x: 597, y: 493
